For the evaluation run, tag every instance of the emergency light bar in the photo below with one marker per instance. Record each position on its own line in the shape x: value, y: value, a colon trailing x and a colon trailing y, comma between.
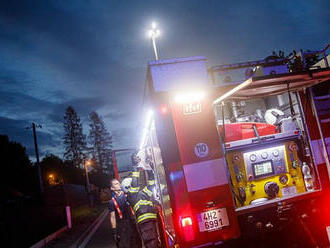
x: 189, y: 97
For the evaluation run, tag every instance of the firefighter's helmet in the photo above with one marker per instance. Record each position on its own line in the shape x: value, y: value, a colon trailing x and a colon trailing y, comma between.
x: 274, y: 116
x: 126, y: 184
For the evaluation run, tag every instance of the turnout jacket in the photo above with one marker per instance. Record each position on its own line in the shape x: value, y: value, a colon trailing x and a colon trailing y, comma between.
x: 141, y: 198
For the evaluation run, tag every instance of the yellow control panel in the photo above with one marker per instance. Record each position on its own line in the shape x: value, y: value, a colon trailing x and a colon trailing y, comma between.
x: 264, y: 173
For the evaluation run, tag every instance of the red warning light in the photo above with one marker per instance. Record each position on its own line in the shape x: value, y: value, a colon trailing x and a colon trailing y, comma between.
x: 186, y: 221
x: 187, y: 229
x: 163, y: 109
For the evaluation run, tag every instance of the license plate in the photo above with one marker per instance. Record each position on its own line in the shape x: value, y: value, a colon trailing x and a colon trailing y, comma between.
x: 213, y: 219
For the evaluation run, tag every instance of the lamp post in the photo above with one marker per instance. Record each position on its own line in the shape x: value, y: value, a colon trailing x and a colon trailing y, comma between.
x: 153, y: 34
x: 87, y: 163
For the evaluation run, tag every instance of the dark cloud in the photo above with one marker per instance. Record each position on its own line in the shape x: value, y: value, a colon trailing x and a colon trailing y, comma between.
x: 127, y: 137
x: 20, y: 131
x: 79, y: 39
x: 117, y: 114
x: 15, y: 102
x: 83, y: 105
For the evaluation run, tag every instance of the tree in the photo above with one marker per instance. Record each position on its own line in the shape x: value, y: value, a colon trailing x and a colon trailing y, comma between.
x: 101, y: 141
x: 74, y: 139
x: 56, y: 171
x: 53, y: 170
x: 17, y: 173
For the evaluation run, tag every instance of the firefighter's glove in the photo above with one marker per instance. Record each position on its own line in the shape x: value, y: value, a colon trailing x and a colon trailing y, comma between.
x: 116, y: 235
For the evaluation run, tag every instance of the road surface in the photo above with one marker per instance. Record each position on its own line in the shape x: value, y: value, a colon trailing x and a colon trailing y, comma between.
x: 102, y: 238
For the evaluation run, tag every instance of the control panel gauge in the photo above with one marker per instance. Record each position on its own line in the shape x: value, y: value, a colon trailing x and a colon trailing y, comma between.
x: 253, y: 157
x: 264, y: 155
x: 265, y: 162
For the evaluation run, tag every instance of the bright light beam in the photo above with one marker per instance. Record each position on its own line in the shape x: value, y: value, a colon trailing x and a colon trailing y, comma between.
x: 146, y: 128
x: 233, y: 91
x: 189, y: 97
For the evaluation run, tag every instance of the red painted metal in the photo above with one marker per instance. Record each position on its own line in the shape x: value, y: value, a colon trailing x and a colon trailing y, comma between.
x: 162, y: 224
x: 241, y: 131
x: 314, y: 135
x: 191, y: 130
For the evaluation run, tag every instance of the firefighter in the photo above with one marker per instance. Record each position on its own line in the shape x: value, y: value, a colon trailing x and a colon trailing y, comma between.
x: 122, y: 221
x: 143, y: 202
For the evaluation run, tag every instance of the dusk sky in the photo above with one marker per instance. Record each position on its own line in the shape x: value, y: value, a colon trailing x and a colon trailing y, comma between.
x: 93, y: 54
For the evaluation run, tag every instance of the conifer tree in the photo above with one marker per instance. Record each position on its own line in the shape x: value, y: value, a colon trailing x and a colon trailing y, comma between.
x: 74, y: 139
x: 101, y: 141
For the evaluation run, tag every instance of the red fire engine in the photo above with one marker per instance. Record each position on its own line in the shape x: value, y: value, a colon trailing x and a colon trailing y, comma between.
x: 241, y: 162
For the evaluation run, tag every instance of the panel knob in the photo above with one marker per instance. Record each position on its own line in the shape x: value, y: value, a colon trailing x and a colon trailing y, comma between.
x: 272, y: 189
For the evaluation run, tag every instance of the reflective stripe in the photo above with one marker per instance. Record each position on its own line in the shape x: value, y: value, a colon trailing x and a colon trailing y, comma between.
x: 133, y: 189
x: 146, y: 216
x: 151, y: 182
x: 142, y: 202
x: 132, y: 211
x: 147, y: 191
x: 136, y: 205
x: 120, y: 214
x: 135, y: 174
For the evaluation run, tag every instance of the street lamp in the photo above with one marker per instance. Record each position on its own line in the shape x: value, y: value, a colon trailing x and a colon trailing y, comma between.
x: 153, y: 34
x: 51, y: 179
x: 90, y: 197
x: 87, y: 163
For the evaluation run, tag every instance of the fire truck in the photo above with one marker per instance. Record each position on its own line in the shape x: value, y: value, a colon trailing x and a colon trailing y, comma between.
x: 240, y: 151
